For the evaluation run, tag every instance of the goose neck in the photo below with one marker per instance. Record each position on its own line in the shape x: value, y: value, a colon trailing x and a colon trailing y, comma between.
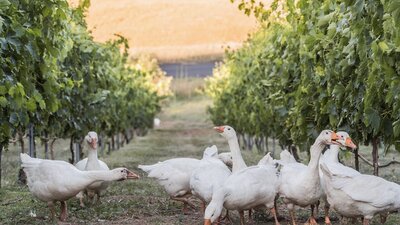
x: 92, y: 154
x: 93, y: 161
x: 214, y: 208
x: 316, y: 150
x: 237, y: 159
x: 100, y: 175
x: 332, y: 154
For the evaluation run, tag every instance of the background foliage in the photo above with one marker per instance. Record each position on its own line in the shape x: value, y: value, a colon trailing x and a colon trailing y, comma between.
x: 55, y: 77
x: 314, y: 65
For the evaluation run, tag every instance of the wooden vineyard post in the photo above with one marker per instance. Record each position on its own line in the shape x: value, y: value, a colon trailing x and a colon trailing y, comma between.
x: 1, y: 153
x: 46, y: 146
x: 77, y: 152
x: 32, y: 152
x: 375, y: 155
x: 356, y: 162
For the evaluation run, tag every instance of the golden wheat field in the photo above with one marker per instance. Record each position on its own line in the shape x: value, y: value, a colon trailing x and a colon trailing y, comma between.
x: 171, y: 30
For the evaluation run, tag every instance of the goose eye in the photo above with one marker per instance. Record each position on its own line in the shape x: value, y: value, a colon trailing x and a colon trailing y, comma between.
x: 122, y: 171
x: 326, y: 132
x: 229, y: 128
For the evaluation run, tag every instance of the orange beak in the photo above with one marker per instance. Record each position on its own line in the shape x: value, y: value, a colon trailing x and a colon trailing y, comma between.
x: 219, y: 129
x: 334, y: 136
x: 349, y: 143
x: 207, y: 222
x: 132, y: 175
x: 93, y: 144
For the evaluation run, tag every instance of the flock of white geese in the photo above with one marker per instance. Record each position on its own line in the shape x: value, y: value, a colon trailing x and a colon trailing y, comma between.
x: 350, y: 193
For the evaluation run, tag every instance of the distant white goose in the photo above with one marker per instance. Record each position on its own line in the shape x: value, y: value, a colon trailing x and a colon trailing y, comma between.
x: 54, y: 180
x: 156, y: 122
x: 209, y: 176
x: 92, y: 163
x: 300, y: 184
x: 246, y: 189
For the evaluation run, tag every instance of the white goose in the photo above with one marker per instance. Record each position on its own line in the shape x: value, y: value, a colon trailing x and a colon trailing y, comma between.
x: 238, y: 163
x: 331, y: 158
x: 209, y: 176
x: 246, y: 189
x: 92, y: 163
x: 54, y: 180
x: 360, y: 195
x: 300, y: 184
x: 174, y: 176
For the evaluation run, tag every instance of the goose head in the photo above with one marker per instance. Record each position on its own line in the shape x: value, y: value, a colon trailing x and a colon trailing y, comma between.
x: 123, y: 174
x: 345, y: 140
x: 226, y: 157
x: 91, y: 138
x: 212, y: 152
x: 327, y: 137
x: 213, y: 211
x: 226, y: 131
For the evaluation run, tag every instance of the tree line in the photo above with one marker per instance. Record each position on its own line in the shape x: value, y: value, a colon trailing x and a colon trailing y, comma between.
x: 55, y: 78
x: 314, y: 65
